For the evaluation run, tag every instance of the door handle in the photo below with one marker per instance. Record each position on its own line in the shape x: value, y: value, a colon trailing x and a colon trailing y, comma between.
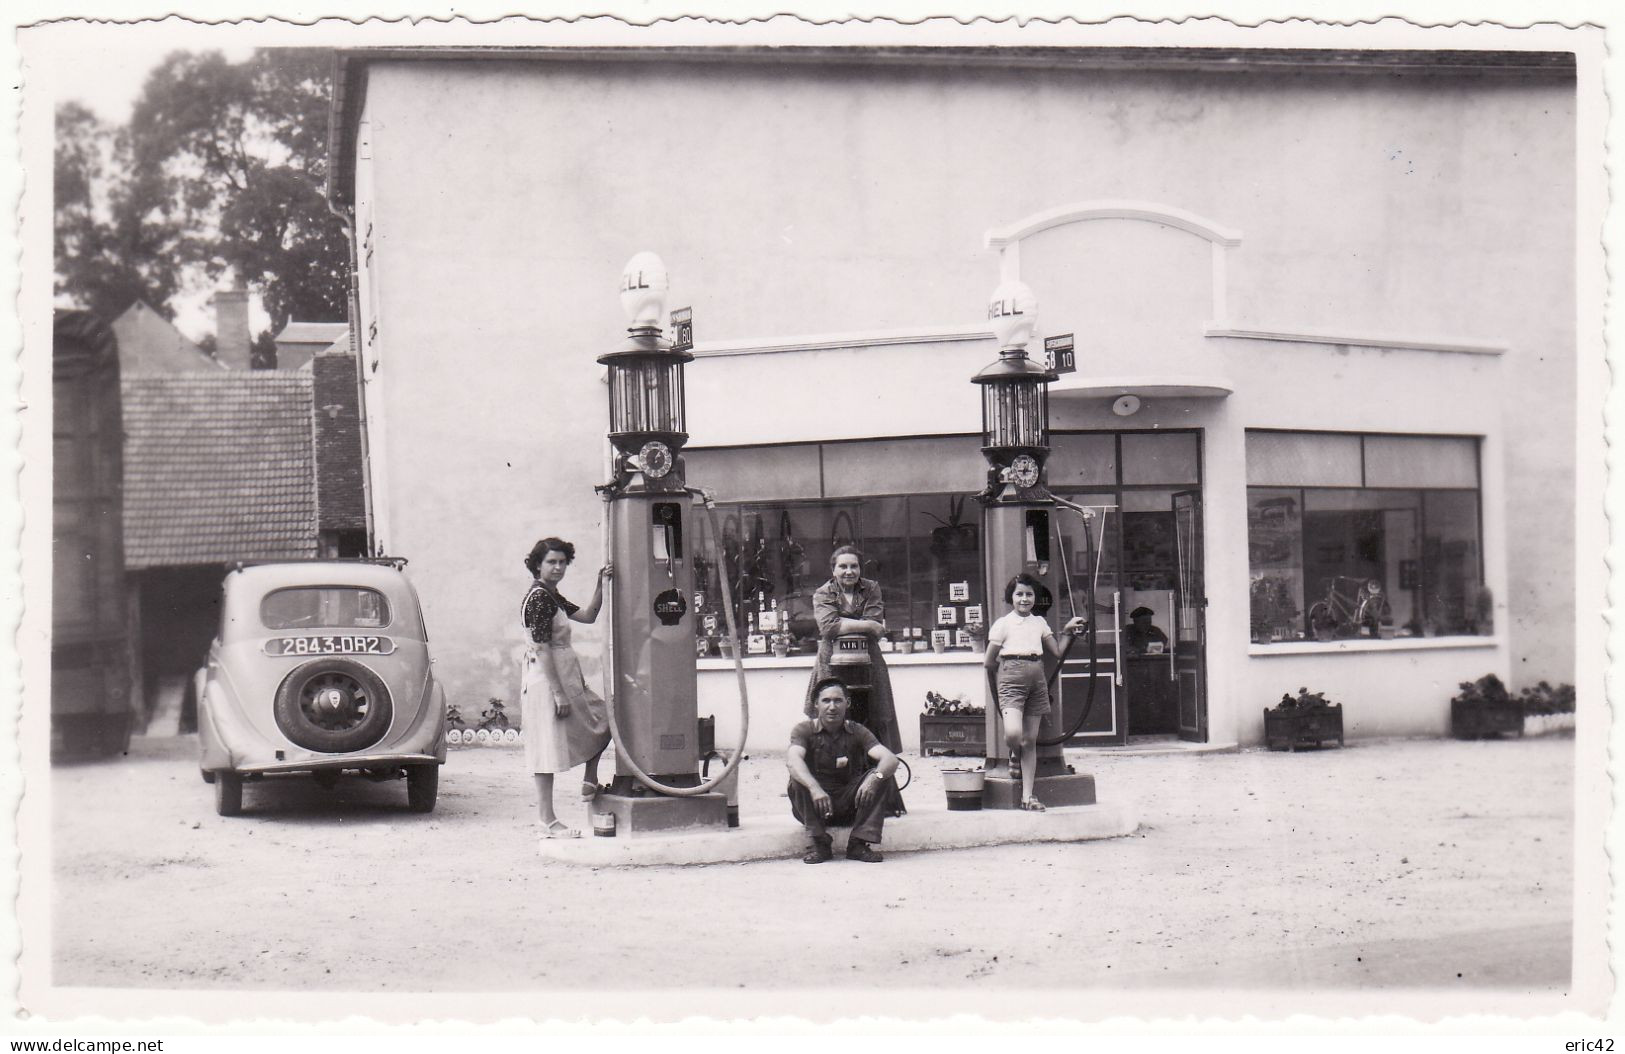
x: 1117, y: 637
x: 1173, y: 610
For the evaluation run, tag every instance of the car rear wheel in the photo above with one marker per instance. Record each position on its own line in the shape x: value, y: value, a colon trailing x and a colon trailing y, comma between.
x: 422, y: 787
x: 333, y: 705
x: 228, y: 794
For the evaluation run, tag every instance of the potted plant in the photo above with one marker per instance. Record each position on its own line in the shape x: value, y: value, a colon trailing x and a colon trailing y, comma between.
x: 1485, y: 708
x: 780, y: 643
x: 1272, y: 608
x: 954, y: 535
x: 952, y: 726
x: 1307, y: 720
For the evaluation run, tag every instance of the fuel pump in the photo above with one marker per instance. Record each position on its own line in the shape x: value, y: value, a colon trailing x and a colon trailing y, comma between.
x: 1019, y: 530
x: 649, y: 525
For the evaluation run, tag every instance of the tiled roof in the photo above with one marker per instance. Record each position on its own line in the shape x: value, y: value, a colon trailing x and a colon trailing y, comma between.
x: 218, y: 467
x: 150, y: 343
x: 323, y: 333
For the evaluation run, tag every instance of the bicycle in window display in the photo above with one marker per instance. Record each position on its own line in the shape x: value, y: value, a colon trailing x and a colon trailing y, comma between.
x: 1352, y: 606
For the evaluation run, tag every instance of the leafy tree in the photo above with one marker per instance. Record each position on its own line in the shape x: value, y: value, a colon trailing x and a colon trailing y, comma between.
x: 110, y: 251
x: 222, y: 165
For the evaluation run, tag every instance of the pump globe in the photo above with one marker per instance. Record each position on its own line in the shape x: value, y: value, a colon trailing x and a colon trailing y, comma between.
x: 644, y: 283
x: 1013, y: 313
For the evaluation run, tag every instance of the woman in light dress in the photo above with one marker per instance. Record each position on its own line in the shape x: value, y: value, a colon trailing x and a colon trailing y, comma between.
x: 565, y: 721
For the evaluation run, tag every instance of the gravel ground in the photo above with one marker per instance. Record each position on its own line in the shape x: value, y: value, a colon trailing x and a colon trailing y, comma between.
x: 1387, y: 864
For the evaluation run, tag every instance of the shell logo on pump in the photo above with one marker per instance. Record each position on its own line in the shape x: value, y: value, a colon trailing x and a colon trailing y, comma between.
x: 670, y: 607
x: 1013, y: 312
x: 644, y: 284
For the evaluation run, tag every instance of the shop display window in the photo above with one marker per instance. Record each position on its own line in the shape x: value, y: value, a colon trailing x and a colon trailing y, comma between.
x: 907, y: 504
x: 1396, y: 557
x: 923, y: 549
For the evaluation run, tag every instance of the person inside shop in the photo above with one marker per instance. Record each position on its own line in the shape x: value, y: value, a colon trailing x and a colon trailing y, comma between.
x: 1140, y: 637
x: 839, y: 774
x: 566, y: 723
x: 851, y: 605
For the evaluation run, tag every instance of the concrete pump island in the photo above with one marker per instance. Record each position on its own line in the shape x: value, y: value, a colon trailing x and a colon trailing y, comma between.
x: 665, y: 806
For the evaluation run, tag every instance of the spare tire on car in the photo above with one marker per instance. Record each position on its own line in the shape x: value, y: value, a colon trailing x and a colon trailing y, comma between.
x: 333, y: 705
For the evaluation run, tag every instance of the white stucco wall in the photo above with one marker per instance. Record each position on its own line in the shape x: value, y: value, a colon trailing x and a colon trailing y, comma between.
x: 506, y: 197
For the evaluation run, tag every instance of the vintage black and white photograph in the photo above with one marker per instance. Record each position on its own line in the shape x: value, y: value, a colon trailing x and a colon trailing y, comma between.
x: 608, y: 519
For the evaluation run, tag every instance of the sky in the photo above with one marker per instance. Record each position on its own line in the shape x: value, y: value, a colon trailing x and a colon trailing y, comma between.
x: 119, y: 75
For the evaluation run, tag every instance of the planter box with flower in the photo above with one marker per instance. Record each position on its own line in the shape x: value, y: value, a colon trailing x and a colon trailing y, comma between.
x: 952, y: 726
x: 1307, y: 720
x: 1546, y: 709
x: 1484, y: 708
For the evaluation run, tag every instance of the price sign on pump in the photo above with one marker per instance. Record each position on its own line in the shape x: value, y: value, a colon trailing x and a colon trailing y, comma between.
x: 1062, y: 359
x: 682, y: 329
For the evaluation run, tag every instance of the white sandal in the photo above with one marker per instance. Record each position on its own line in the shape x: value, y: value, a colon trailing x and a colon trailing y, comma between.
x: 560, y: 829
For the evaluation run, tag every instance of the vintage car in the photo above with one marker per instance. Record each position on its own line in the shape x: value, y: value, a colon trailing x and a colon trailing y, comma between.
x: 320, y: 667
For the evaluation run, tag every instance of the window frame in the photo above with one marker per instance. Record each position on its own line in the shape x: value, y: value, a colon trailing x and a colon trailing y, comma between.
x: 905, y: 605
x: 1421, y: 493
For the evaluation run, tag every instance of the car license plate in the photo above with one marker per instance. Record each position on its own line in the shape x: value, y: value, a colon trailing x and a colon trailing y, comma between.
x: 331, y: 644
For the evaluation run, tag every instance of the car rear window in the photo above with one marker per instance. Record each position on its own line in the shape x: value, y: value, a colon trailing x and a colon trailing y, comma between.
x: 329, y: 607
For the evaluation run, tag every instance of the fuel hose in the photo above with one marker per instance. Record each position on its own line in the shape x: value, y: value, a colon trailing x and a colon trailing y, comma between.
x: 1092, y: 560
x: 621, y: 756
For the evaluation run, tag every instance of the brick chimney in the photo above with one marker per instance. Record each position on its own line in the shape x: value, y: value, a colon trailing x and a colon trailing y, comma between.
x: 231, y: 339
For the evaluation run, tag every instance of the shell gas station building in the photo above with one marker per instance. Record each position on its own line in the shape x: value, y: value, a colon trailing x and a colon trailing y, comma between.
x: 1323, y: 384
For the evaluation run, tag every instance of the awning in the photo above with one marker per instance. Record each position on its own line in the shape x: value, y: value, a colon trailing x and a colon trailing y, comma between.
x: 1073, y: 387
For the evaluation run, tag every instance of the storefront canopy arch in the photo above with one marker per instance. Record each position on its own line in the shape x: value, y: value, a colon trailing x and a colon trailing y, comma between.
x: 1007, y: 241
x: 1001, y: 238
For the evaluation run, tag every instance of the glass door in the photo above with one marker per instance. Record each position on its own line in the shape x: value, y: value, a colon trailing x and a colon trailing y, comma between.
x: 1089, y: 688
x: 1190, y: 624
x: 1149, y: 596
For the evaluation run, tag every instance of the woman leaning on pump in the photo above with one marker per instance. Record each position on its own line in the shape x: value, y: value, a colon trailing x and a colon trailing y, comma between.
x: 850, y: 605
x: 565, y: 721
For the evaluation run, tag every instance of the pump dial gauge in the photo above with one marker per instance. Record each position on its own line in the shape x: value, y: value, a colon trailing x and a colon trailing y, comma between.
x: 1024, y: 470
x: 655, y: 457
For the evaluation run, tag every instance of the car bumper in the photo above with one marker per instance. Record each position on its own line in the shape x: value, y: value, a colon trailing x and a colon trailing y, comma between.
x: 350, y: 761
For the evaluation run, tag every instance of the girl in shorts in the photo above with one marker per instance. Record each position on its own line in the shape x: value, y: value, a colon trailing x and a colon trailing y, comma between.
x: 1016, y: 646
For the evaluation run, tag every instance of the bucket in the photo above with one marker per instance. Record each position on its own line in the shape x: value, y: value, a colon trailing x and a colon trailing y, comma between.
x: 603, y: 825
x: 964, y: 787
x: 729, y: 788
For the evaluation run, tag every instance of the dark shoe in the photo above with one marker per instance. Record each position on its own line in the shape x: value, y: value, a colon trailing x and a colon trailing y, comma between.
x: 819, y: 852
x: 857, y: 849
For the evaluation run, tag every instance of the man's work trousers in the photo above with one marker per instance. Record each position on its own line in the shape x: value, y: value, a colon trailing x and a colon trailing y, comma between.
x: 865, y: 823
